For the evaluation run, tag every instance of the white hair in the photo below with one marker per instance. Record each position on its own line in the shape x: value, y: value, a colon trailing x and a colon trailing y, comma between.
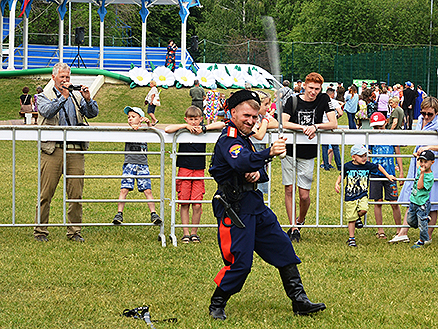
x: 60, y: 67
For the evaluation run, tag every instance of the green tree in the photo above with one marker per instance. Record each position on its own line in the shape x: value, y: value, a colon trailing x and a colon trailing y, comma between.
x: 348, y: 28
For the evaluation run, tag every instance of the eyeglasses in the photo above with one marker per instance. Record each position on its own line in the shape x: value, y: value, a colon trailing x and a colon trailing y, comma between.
x: 428, y: 114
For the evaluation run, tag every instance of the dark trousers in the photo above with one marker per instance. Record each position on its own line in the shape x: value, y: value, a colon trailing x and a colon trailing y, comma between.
x: 351, y: 120
x: 262, y: 234
x: 409, y: 117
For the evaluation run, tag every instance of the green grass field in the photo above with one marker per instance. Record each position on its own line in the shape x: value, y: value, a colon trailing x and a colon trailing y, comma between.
x: 62, y: 284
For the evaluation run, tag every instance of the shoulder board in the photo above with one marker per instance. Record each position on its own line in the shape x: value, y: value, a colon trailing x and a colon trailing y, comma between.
x: 232, y: 132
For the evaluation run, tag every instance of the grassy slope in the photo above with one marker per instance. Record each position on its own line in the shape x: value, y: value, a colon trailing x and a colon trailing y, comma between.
x: 63, y: 284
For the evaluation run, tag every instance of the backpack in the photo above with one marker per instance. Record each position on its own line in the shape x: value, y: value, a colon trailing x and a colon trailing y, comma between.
x: 286, y: 96
x: 294, y: 104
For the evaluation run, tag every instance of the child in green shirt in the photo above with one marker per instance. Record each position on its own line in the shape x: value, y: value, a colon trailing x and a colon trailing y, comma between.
x: 419, y: 206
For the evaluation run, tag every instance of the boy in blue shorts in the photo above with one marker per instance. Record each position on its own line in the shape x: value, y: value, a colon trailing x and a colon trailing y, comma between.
x: 357, y: 172
x: 419, y: 206
x: 136, y: 165
x: 378, y: 121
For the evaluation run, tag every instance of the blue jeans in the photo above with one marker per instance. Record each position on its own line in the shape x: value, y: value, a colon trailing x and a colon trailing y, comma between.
x: 351, y: 120
x: 336, y: 154
x: 418, y: 217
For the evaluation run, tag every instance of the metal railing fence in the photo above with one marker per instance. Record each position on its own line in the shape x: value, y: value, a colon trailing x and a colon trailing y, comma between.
x: 337, y: 137
x: 182, y: 136
x: 78, y: 134
x: 344, y: 138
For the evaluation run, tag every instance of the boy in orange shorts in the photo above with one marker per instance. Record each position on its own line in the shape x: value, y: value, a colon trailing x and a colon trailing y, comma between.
x: 191, y: 166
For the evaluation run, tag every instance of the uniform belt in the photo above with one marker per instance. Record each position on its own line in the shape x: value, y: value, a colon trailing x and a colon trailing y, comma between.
x: 69, y: 146
x: 249, y: 187
x: 243, y: 188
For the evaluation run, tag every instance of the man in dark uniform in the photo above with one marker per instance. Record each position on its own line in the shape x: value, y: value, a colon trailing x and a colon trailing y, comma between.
x: 409, y: 96
x: 237, y: 169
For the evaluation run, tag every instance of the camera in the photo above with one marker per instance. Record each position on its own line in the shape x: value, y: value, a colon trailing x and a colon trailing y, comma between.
x: 73, y: 87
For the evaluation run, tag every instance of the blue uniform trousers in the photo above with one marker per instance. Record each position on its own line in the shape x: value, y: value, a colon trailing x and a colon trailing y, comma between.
x: 262, y: 234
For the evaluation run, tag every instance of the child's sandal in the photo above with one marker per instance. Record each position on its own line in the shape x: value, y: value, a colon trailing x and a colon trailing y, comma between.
x: 185, y: 239
x: 195, y: 238
x: 380, y: 235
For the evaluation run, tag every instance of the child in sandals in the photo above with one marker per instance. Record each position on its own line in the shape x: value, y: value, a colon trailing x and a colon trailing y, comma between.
x: 357, y: 172
x: 191, y: 166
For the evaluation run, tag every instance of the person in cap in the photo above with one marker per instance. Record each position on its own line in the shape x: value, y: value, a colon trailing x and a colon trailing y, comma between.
x: 419, y: 201
x: 357, y: 173
x: 245, y: 223
x: 408, y: 102
x: 136, y: 165
x: 298, y: 90
x: 58, y: 106
x: 378, y: 122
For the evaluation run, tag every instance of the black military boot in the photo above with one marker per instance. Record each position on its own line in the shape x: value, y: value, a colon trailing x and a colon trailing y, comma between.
x: 295, y: 291
x: 218, y: 303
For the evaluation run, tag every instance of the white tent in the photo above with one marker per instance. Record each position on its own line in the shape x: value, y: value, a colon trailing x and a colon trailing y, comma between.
x: 184, y: 12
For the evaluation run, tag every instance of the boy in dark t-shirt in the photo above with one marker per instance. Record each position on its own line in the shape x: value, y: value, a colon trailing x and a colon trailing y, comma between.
x: 136, y: 165
x: 357, y: 172
x: 191, y: 166
x: 306, y: 116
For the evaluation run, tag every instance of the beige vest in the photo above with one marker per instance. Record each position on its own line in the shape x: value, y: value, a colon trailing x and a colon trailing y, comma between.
x: 49, y: 146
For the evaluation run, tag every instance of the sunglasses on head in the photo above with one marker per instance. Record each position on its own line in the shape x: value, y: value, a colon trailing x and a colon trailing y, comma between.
x: 428, y: 114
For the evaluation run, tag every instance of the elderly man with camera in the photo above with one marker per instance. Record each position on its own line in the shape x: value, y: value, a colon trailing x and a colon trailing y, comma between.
x: 63, y: 105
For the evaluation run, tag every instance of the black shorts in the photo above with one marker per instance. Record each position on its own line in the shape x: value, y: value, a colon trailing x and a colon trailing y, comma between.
x: 151, y: 108
x: 377, y: 187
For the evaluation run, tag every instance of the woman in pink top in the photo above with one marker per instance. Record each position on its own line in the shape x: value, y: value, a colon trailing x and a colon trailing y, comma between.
x: 382, y: 102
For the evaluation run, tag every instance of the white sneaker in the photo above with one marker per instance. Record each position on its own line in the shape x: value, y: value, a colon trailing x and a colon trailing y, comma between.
x: 428, y: 242
x: 399, y: 238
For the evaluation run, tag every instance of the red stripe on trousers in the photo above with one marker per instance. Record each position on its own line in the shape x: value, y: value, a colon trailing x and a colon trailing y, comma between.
x: 225, y: 238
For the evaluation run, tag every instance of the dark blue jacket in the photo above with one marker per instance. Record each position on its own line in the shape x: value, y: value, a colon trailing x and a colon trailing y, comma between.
x: 234, y: 155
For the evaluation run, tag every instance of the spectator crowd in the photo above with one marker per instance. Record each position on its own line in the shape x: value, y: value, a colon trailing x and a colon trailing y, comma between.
x: 305, y: 107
